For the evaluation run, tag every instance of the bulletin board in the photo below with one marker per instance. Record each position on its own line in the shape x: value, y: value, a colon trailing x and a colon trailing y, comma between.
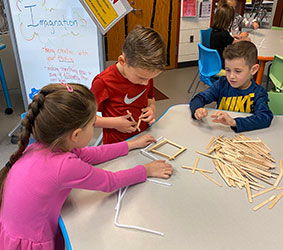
x: 54, y: 41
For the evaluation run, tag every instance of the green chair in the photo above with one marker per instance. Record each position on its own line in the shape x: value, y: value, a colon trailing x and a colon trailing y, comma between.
x: 276, y: 28
x: 276, y: 94
x: 276, y: 72
x: 275, y: 102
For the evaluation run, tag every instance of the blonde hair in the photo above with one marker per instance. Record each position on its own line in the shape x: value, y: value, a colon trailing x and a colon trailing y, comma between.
x: 145, y: 48
x: 53, y: 113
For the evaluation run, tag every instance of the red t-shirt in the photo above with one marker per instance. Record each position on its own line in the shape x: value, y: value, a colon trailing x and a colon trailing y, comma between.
x: 115, y: 95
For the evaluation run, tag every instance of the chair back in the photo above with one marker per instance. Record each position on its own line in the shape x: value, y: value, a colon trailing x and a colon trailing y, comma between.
x: 276, y: 72
x: 205, y: 37
x: 209, y: 63
x: 275, y: 102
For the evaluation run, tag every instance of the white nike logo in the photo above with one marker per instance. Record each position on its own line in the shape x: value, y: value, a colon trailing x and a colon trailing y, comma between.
x: 131, y: 100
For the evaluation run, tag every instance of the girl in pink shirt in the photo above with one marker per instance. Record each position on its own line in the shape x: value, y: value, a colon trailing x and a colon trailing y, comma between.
x: 37, y: 179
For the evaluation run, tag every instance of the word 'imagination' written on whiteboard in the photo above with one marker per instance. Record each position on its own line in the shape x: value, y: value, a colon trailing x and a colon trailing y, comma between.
x: 51, y: 22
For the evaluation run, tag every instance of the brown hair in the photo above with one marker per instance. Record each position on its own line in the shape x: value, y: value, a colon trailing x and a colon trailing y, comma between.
x: 242, y: 49
x: 53, y: 113
x: 144, y: 48
x: 223, y: 17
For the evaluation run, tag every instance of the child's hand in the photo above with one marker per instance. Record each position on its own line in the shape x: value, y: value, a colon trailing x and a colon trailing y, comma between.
x: 124, y: 125
x: 141, y: 142
x: 224, y: 118
x: 200, y: 113
x: 255, y: 25
x: 159, y: 169
x: 237, y: 36
x: 148, y: 115
x: 244, y: 35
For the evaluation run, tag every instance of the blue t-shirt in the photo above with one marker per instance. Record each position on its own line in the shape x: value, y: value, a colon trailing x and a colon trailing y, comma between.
x: 251, y: 100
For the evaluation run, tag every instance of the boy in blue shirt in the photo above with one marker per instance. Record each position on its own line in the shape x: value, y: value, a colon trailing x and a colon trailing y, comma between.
x: 236, y: 91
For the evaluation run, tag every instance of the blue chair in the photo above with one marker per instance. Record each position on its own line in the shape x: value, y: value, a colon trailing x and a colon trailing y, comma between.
x: 205, y: 37
x: 209, y: 63
x: 9, y: 109
x: 65, y: 234
x: 205, y: 41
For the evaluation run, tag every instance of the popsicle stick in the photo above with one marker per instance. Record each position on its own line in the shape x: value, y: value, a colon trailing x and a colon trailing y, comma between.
x: 175, y: 155
x: 210, y: 156
x: 264, y: 203
x: 174, y: 144
x: 277, y: 198
x: 264, y: 144
x: 138, y: 125
x: 280, y: 175
x: 132, y: 118
x: 159, y: 144
x: 198, y: 169
x: 195, y: 165
x: 263, y: 192
x: 210, y: 143
x: 240, y: 141
x: 160, y: 153
x: 249, y: 191
x: 210, y: 178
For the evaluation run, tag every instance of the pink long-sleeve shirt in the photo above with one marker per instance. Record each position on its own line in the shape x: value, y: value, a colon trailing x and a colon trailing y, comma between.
x: 39, y: 183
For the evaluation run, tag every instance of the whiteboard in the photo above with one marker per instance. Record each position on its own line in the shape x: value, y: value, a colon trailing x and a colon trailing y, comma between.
x: 54, y: 41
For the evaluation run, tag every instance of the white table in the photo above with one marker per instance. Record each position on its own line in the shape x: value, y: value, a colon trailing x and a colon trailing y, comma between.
x: 194, y: 213
x: 269, y: 43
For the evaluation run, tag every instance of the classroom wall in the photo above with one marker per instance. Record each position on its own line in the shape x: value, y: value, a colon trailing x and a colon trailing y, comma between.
x: 190, y: 26
x: 9, y: 63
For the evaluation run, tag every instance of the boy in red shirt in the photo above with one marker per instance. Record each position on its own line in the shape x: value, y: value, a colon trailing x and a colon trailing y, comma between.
x: 125, y: 90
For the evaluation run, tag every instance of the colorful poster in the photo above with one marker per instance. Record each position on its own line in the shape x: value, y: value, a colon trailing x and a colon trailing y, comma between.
x: 189, y: 8
x: 106, y: 13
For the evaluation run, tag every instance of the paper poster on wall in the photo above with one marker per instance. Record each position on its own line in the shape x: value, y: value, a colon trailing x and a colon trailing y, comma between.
x: 189, y: 8
x: 55, y: 42
x: 107, y: 12
x: 204, y: 10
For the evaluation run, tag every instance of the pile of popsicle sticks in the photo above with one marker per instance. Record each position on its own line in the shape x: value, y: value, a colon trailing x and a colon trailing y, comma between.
x: 241, y: 162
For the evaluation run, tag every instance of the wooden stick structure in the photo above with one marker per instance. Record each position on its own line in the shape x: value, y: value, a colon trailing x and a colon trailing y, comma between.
x: 164, y: 141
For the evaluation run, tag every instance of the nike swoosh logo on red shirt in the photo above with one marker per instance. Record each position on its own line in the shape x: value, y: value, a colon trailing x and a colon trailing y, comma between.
x: 131, y: 100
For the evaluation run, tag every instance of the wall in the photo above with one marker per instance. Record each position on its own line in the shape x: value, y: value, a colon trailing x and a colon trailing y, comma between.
x: 9, y: 63
x: 188, y: 51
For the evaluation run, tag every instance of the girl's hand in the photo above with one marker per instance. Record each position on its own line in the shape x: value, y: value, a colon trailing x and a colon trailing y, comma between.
x: 255, y: 25
x: 141, y: 142
x: 224, y: 118
x: 200, y: 113
x: 124, y: 125
x: 148, y: 115
x: 159, y: 169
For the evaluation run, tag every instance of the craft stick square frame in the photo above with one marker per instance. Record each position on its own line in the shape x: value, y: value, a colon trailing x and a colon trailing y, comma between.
x: 154, y: 148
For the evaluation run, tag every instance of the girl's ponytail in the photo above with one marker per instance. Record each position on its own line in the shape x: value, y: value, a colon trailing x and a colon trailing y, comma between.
x: 27, y: 123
